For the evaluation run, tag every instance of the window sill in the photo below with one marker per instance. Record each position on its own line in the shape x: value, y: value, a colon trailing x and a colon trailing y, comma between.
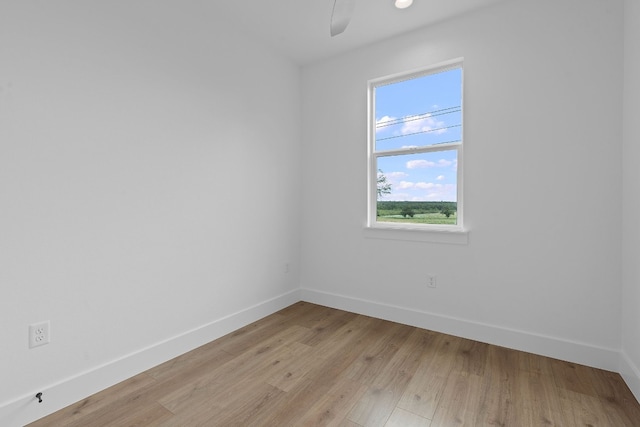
x: 449, y: 236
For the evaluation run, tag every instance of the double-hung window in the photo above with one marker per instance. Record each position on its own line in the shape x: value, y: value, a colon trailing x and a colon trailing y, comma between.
x: 415, y: 149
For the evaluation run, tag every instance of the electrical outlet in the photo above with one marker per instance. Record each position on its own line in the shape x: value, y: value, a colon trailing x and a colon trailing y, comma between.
x: 432, y: 282
x: 39, y: 334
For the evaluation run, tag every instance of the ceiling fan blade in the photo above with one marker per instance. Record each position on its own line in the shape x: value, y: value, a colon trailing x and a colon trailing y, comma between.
x: 341, y: 15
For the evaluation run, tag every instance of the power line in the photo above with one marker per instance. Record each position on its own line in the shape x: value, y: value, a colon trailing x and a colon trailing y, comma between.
x: 413, y: 117
x: 417, y: 133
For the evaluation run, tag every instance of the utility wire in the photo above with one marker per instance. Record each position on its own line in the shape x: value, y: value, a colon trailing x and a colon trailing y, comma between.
x: 417, y: 133
x: 435, y: 113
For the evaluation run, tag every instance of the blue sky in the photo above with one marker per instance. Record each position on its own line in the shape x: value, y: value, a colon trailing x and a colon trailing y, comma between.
x: 420, y: 112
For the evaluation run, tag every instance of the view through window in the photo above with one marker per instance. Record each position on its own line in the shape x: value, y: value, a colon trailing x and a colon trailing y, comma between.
x: 415, y: 147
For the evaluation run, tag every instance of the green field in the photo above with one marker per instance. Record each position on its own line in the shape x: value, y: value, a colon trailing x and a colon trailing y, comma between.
x: 417, y: 212
x: 429, y: 218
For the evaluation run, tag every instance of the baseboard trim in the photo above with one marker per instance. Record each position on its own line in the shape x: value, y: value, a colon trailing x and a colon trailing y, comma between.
x: 630, y: 373
x: 25, y: 409
x: 576, y: 352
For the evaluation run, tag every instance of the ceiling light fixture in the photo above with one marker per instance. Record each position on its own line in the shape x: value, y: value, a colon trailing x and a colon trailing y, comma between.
x: 403, y: 4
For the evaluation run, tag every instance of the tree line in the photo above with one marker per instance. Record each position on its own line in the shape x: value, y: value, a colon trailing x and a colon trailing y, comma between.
x: 405, y: 208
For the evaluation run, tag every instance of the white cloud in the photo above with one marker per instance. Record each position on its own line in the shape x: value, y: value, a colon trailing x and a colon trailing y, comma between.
x: 397, y: 197
x: 395, y: 175
x: 381, y: 123
x: 425, y: 123
x: 444, y: 163
x: 427, y: 185
x: 424, y: 192
x: 419, y: 164
x: 405, y: 185
x: 440, y: 178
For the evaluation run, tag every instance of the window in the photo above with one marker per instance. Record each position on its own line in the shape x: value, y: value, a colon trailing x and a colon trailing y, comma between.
x: 415, y: 149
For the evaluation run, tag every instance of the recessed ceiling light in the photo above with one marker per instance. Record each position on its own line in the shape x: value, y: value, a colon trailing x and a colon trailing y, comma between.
x: 403, y: 4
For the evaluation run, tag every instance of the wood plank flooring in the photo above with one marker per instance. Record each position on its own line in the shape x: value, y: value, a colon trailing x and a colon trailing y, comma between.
x: 309, y: 365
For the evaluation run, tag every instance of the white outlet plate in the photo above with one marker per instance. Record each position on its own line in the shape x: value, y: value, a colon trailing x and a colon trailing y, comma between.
x: 432, y: 281
x: 39, y: 334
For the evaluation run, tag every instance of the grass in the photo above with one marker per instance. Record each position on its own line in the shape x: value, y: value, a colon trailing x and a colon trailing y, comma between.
x: 425, y: 218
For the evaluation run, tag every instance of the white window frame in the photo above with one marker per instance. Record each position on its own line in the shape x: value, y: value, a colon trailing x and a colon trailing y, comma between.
x: 373, y: 155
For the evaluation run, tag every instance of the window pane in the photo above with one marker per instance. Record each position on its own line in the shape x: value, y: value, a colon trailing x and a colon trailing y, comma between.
x: 418, y: 188
x: 419, y: 112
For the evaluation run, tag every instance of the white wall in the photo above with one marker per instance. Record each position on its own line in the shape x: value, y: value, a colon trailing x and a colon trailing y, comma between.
x: 130, y: 137
x: 149, y: 187
x: 630, y: 366
x: 543, y: 107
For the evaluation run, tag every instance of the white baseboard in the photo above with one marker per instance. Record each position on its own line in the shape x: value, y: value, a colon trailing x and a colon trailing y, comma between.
x: 576, y: 352
x: 26, y: 409
x: 631, y: 374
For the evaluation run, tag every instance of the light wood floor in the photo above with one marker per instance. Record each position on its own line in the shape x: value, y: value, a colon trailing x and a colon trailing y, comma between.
x: 310, y: 365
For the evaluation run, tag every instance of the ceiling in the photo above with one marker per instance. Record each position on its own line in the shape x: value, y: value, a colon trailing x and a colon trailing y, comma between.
x: 300, y: 28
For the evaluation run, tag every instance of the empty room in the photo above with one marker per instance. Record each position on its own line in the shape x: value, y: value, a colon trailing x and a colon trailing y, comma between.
x: 320, y: 212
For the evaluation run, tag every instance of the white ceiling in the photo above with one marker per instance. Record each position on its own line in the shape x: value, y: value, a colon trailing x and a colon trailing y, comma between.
x: 300, y: 28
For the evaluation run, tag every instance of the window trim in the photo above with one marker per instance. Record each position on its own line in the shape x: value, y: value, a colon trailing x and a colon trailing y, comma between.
x: 373, y: 155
